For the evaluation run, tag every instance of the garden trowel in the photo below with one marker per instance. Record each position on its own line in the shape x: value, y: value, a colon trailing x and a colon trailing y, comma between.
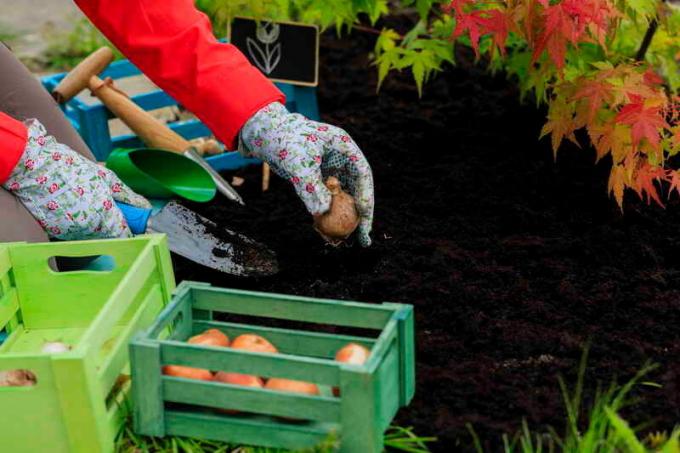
x: 153, y: 132
x: 148, y: 128
x: 203, y: 241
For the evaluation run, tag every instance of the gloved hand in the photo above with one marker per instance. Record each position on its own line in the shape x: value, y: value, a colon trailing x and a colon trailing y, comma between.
x: 70, y: 196
x: 305, y: 153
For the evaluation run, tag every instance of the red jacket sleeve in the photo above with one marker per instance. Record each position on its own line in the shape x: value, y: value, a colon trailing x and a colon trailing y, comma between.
x: 173, y: 44
x: 13, y: 137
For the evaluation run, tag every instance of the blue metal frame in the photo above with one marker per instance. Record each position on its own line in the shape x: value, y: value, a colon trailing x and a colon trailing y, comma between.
x: 92, y: 121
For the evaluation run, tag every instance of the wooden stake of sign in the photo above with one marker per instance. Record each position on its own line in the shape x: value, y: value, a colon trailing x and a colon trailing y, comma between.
x: 266, y: 174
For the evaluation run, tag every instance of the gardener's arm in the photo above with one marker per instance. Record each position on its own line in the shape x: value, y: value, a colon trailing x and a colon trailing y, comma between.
x: 13, y: 136
x: 29, y: 181
x: 173, y: 43
x: 63, y: 191
x: 70, y: 196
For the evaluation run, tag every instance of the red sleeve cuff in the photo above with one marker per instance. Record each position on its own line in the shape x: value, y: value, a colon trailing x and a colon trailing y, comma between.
x: 13, y: 138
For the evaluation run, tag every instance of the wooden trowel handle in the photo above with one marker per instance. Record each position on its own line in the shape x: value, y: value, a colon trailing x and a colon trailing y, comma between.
x: 77, y: 80
x: 149, y: 129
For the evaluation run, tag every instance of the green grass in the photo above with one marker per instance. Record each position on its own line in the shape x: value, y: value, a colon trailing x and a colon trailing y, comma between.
x: 66, y: 50
x: 397, y: 439
x: 7, y: 35
x: 598, y: 428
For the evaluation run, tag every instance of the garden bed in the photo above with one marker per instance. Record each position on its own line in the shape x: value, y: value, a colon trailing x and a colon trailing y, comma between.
x: 513, y: 260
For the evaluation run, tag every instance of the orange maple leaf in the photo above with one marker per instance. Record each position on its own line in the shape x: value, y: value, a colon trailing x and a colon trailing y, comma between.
x: 611, y: 138
x: 597, y: 93
x: 560, y: 123
x: 617, y: 182
x: 674, y: 182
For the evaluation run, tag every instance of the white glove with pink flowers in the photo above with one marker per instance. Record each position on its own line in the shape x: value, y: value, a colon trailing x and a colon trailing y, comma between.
x: 305, y: 153
x: 70, y: 196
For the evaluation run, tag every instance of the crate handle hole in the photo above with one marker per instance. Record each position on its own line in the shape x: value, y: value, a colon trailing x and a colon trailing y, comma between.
x: 17, y: 378
x: 92, y: 263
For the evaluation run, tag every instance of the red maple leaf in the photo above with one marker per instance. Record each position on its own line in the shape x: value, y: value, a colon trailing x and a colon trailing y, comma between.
x: 567, y: 23
x: 653, y: 79
x: 592, y: 15
x: 497, y: 23
x: 645, y: 178
x: 645, y: 122
x: 471, y: 24
x: 558, y: 30
x: 477, y: 23
x: 458, y: 6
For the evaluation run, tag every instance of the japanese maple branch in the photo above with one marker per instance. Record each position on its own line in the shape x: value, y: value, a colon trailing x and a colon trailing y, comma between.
x: 647, y: 40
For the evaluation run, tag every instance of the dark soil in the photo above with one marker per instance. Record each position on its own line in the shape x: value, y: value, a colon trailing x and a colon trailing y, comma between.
x: 514, y: 261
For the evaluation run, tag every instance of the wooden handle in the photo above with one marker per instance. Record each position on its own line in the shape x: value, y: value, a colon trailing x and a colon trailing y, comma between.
x: 77, y: 80
x: 149, y: 129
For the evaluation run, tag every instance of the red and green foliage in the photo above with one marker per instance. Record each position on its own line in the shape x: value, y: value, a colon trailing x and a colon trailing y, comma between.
x: 576, y: 56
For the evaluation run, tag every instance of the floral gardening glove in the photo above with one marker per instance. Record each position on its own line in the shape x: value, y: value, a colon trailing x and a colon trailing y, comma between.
x: 70, y: 196
x: 305, y: 153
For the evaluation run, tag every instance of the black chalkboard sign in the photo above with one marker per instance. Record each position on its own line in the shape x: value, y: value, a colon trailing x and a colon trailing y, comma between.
x: 283, y: 51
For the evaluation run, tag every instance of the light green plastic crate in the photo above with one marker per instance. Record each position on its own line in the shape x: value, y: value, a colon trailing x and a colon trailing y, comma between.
x: 78, y: 403
x: 370, y: 395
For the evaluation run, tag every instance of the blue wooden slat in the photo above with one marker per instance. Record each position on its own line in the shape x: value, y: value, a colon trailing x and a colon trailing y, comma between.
x: 190, y: 129
x: 153, y: 100
x: 230, y: 161
x: 148, y: 101
x: 121, y: 69
x: 127, y: 141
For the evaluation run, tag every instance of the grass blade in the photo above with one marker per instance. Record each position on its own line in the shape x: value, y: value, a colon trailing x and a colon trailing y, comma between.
x: 624, y: 432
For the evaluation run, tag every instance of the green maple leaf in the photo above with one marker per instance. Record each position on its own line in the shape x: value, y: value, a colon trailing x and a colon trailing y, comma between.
x: 387, y: 40
x: 419, y: 73
x: 646, y: 8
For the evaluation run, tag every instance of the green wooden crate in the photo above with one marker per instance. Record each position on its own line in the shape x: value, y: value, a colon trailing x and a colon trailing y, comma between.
x: 78, y: 402
x: 370, y: 395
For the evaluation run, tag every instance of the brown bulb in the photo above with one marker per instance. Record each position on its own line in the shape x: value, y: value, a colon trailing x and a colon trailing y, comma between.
x: 341, y: 219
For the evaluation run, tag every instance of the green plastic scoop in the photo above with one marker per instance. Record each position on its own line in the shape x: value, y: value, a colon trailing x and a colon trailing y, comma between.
x: 156, y: 173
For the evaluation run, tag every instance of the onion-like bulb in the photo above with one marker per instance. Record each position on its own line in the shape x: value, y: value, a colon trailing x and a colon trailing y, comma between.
x: 341, y: 219
x: 55, y: 347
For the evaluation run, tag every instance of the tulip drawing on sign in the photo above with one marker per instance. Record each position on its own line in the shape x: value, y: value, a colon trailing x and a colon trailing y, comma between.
x: 267, y: 58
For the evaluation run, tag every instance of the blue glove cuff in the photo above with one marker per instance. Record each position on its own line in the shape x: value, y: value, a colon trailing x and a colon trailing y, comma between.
x: 137, y: 218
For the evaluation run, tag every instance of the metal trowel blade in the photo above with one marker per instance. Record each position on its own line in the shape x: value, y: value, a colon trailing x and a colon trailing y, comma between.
x: 201, y: 240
